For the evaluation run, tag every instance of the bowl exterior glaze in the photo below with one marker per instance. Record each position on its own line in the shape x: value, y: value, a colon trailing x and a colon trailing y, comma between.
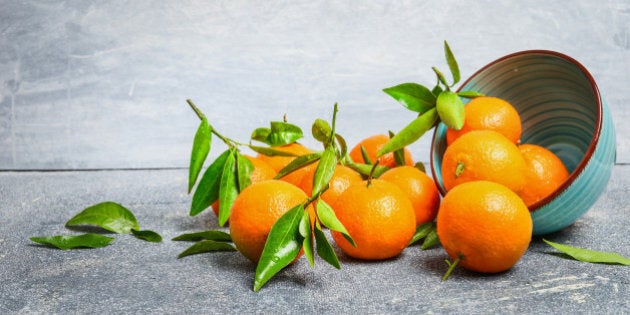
x: 561, y: 109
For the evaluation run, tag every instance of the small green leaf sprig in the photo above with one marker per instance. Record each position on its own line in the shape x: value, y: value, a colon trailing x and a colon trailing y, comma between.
x: 433, y: 106
x: 294, y: 230
x: 230, y: 172
x: 107, y: 215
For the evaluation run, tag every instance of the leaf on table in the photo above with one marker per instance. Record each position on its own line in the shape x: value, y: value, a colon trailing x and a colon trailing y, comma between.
x: 213, y: 235
x: 207, y: 246
x: 589, y: 255
x: 108, y: 215
x: 422, y: 231
x: 147, y: 235
x: 65, y: 242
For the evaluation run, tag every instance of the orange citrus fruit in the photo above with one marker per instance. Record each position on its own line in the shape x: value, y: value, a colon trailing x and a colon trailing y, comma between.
x: 379, y: 218
x: 340, y: 181
x: 419, y: 187
x: 372, y: 145
x: 545, y: 173
x: 485, y: 224
x: 256, y: 210
x: 489, y: 113
x: 483, y: 155
x: 262, y: 171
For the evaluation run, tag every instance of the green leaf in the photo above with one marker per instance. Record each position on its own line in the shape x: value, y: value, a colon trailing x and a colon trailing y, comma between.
x: 108, y: 215
x: 244, y: 169
x: 297, y: 163
x: 283, y: 133
x: 399, y: 155
x: 422, y: 231
x: 207, y: 191
x: 420, y: 166
x: 470, y: 94
x: 200, y: 149
x: 324, y: 249
x: 343, y: 146
x: 591, y: 256
x: 65, y: 242
x: 147, y: 235
x: 414, y: 96
x: 213, y: 235
x: 412, y: 132
x: 366, y: 169
x: 325, y: 169
x: 430, y: 240
x: 452, y: 63
x: 451, y: 110
x: 282, y: 246
x: 437, y: 89
x: 440, y: 77
x: 321, y: 131
x: 365, y: 156
x: 270, y: 151
x: 228, y: 190
x: 305, y: 231
x: 207, y: 246
x: 327, y: 217
x: 261, y: 134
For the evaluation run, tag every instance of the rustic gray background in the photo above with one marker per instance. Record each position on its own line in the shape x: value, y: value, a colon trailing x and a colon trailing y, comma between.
x: 91, y: 85
x: 94, y: 84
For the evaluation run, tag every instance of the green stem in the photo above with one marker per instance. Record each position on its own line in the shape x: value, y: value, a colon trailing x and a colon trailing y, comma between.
x: 334, y: 122
x: 229, y: 142
x: 369, y: 179
x: 451, y: 266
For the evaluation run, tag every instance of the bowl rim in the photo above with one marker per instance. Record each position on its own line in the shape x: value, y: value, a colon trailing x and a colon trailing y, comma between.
x: 594, y: 139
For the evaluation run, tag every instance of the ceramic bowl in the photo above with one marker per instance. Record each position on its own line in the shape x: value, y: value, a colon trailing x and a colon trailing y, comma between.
x: 561, y: 109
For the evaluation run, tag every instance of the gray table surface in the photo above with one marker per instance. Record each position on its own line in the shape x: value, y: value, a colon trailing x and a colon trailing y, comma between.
x: 92, y: 108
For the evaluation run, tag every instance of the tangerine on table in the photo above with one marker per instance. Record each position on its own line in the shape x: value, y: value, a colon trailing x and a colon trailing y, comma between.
x: 419, y: 187
x: 379, y: 218
x: 262, y: 171
x: 545, y: 173
x: 256, y: 210
x: 483, y: 155
x: 342, y: 178
x: 489, y: 113
x: 486, y: 224
x: 372, y: 145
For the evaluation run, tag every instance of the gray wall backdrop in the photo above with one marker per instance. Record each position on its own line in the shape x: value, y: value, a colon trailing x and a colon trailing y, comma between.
x: 96, y: 84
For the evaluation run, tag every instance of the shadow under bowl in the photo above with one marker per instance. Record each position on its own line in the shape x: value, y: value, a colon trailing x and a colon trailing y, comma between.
x: 562, y: 110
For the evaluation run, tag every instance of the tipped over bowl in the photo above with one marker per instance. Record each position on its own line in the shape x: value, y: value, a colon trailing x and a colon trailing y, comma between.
x: 562, y: 110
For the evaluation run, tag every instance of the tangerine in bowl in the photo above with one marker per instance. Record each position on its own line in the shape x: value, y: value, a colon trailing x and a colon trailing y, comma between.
x: 561, y: 109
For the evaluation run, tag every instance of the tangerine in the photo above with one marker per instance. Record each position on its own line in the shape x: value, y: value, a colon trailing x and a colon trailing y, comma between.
x: 484, y: 226
x: 256, y: 210
x: 545, y: 173
x: 483, y: 155
x: 262, y: 171
x: 419, y: 187
x: 489, y: 113
x: 378, y: 216
x: 340, y: 181
x: 372, y: 145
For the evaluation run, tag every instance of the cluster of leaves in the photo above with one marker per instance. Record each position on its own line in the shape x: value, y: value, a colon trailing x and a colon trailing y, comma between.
x: 432, y: 106
x: 109, y: 216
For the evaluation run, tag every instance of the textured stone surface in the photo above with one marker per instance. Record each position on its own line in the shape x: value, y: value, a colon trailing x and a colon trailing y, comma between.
x: 133, y: 276
x: 92, y: 84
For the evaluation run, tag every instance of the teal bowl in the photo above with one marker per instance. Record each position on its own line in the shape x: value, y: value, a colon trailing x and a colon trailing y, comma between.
x: 562, y: 110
